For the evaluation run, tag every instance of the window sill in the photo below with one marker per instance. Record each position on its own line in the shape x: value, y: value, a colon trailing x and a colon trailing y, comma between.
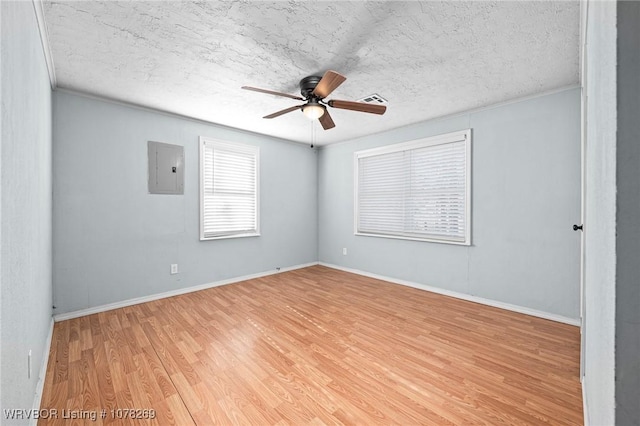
x: 429, y: 240
x: 226, y: 237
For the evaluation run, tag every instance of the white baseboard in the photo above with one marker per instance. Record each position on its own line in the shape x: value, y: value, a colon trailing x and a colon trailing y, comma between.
x: 476, y: 299
x: 37, y: 400
x: 457, y: 295
x: 143, y: 299
x: 585, y: 410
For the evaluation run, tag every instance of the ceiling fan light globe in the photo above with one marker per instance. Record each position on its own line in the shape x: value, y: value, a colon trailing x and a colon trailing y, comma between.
x: 313, y: 111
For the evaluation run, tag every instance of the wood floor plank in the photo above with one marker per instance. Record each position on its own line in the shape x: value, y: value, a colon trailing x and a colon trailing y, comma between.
x: 315, y: 346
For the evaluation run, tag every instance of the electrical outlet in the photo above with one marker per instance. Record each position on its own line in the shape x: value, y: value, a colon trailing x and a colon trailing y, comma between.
x: 29, y: 365
x: 174, y: 268
x: 344, y: 251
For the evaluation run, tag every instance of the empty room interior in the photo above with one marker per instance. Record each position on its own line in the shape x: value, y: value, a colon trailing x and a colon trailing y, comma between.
x: 341, y: 212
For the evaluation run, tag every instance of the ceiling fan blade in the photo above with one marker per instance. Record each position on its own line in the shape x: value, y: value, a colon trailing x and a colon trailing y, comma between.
x: 284, y: 111
x: 358, y: 106
x: 271, y: 92
x: 328, y: 83
x: 326, y: 121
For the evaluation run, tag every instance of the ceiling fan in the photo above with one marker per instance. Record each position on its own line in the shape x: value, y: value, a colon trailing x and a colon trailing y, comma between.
x: 313, y: 90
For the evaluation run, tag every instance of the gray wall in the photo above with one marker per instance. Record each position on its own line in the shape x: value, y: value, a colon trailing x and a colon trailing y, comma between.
x: 25, y: 233
x: 113, y: 241
x: 526, y: 197
x: 600, y: 214
x: 627, y: 349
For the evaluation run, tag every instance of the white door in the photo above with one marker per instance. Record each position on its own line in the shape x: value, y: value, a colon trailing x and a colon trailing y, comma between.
x: 583, y: 193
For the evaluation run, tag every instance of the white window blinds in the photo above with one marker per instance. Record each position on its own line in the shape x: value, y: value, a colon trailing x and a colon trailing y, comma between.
x: 416, y: 190
x: 228, y: 189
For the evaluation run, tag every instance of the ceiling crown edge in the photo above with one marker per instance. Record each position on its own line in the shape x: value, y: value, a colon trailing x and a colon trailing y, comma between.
x: 44, y: 39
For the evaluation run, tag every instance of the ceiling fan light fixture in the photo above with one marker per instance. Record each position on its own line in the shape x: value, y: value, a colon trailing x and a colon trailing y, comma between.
x: 313, y: 110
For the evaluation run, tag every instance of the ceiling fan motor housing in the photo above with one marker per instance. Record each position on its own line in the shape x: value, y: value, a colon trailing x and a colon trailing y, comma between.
x: 307, y: 85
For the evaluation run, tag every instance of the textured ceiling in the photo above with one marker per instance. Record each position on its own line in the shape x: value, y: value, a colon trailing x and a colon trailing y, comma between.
x: 427, y: 59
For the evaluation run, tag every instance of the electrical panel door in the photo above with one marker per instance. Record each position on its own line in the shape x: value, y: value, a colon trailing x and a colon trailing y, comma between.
x: 166, y: 168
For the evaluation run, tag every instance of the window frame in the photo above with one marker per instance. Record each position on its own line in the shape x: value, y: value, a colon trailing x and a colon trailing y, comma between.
x: 458, y: 136
x: 203, y: 140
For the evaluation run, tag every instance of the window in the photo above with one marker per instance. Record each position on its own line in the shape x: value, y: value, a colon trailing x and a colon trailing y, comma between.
x: 229, y: 202
x: 419, y: 190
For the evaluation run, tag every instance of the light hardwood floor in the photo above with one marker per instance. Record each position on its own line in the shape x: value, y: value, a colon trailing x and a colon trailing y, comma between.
x: 315, y: 346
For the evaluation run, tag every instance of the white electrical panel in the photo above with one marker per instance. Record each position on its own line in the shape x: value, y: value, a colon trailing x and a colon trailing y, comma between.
x: 166, y: 168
